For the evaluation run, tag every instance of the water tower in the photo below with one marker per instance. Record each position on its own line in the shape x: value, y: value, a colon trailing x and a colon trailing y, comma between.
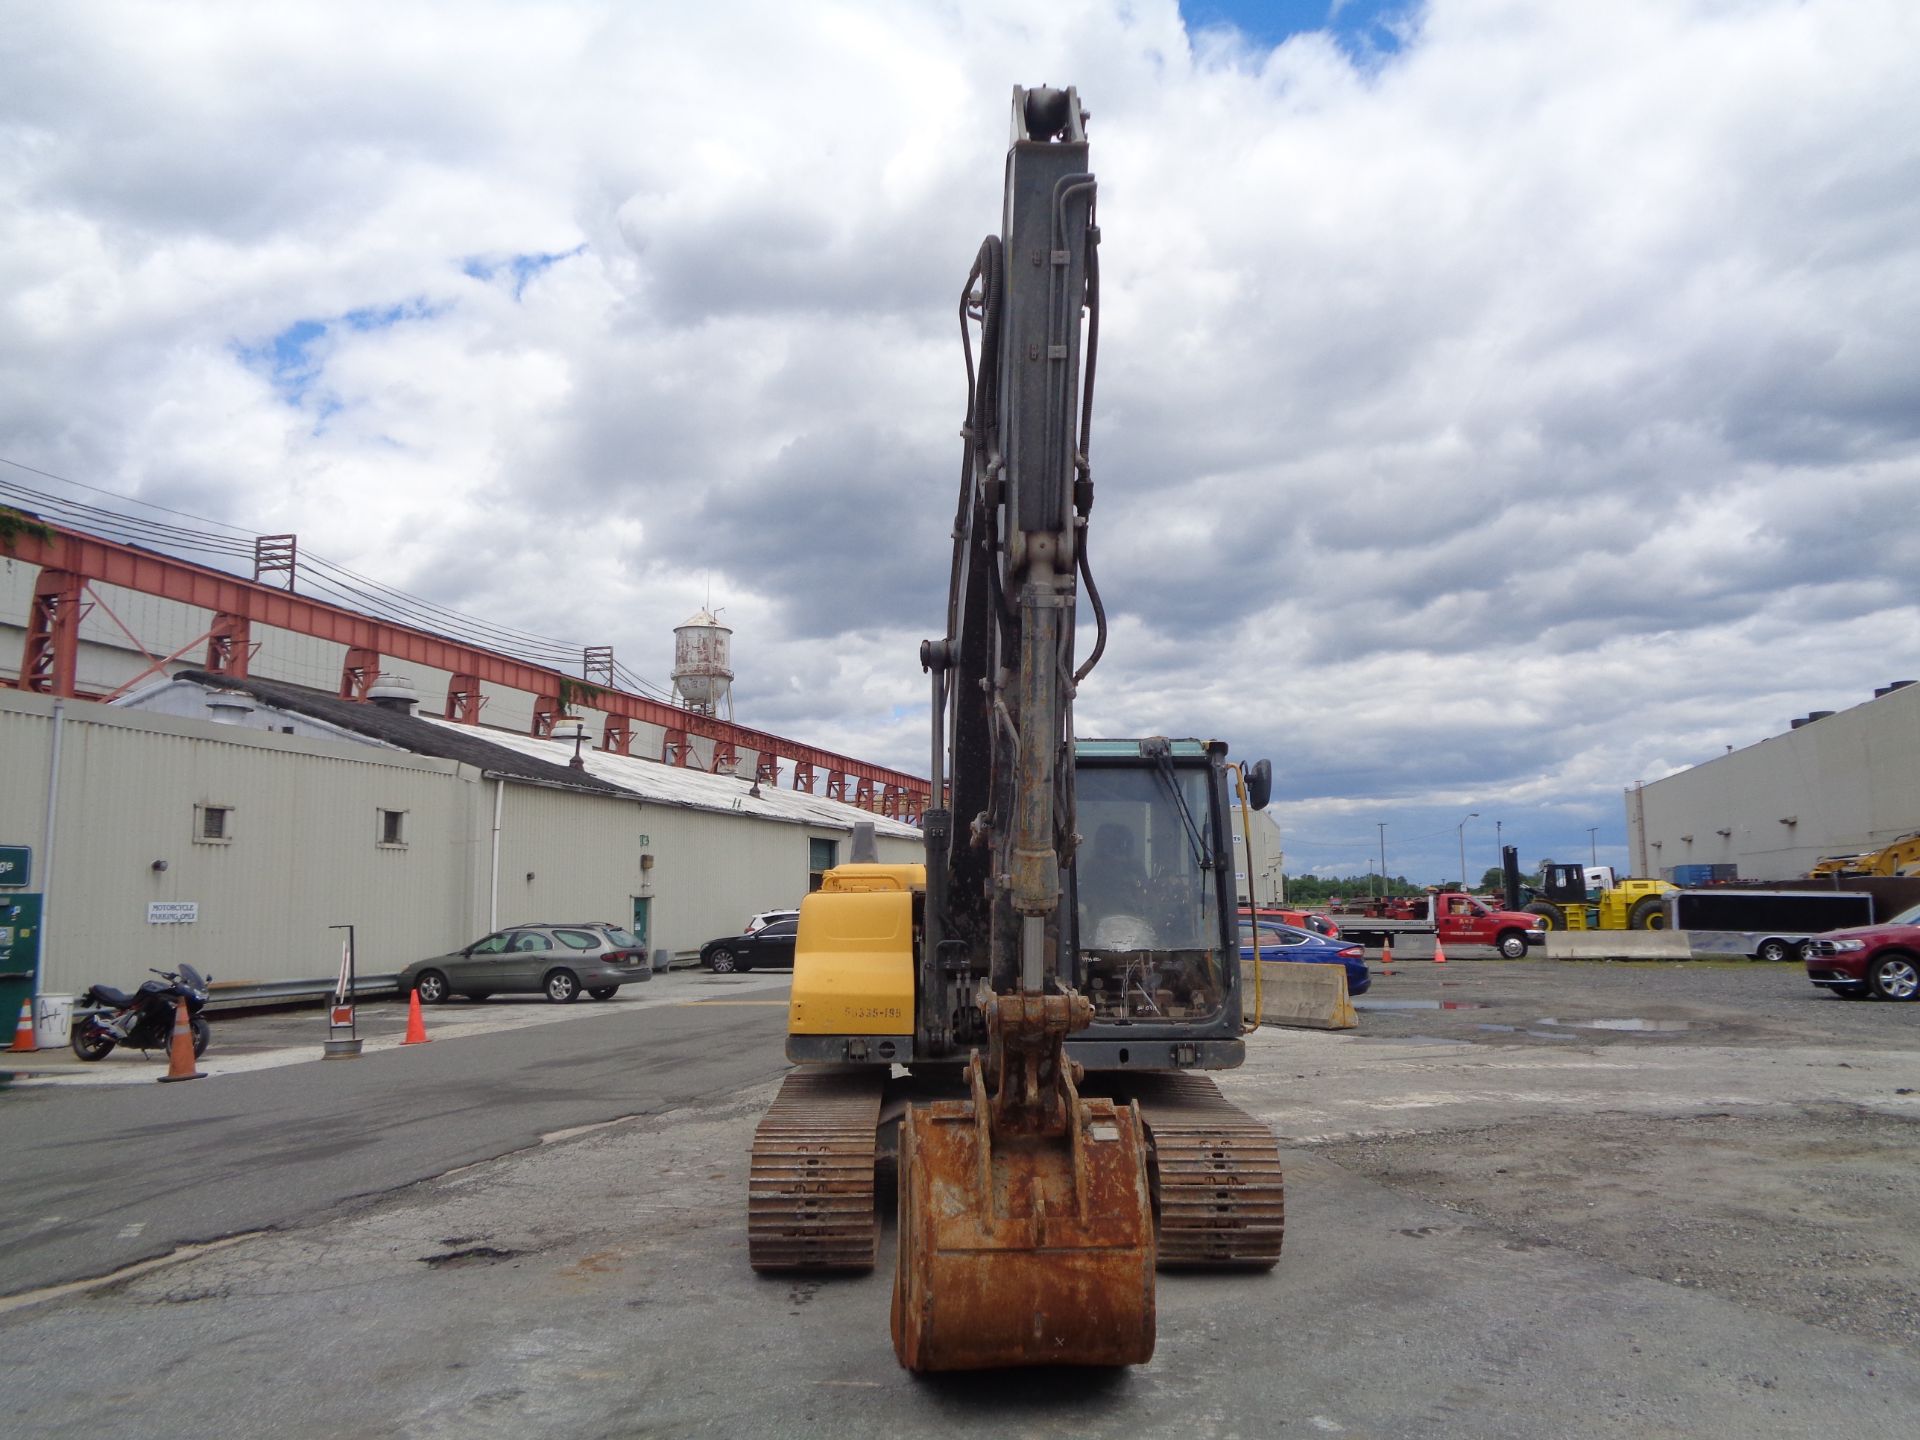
x: 703, y: 665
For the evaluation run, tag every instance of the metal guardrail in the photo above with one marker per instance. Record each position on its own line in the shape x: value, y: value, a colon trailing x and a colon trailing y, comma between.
x: 236, y: 994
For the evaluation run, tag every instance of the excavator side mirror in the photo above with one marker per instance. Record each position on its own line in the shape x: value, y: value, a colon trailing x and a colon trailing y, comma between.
x: 1259, y: 777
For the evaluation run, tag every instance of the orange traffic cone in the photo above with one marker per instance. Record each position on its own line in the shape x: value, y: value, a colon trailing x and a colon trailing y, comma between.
x: 23, y: 1032
x: 180, y: 1048
x: 416, y: 1025
x: 1439, y: 955
x: 1386, y: 953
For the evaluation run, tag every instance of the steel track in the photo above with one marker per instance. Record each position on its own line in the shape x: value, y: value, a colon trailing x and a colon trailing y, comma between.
x: 1219, y: 1198
x: 810, y: 1183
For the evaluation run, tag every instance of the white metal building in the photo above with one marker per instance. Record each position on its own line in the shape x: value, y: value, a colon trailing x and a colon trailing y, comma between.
x: 1263, y: 875
x: 1836, y: 782
x: 257, y: 814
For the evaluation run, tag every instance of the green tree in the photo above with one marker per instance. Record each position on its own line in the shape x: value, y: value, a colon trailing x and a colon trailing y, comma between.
x: 1319, y: 889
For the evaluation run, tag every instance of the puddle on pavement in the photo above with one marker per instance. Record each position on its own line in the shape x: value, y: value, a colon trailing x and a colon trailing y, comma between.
x: 1419, y: 1004
x: 1534, y: 1034
x: 1666, y: 1026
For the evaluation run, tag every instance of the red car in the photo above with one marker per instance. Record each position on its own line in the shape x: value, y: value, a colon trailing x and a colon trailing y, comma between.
x: 1881, y: 960
x: 1304, y: 919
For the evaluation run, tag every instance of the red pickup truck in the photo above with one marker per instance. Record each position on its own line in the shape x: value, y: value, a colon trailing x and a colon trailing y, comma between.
x: 1452, y: 918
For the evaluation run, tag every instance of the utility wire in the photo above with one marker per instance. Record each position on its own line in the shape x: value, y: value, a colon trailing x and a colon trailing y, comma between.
x: 130, y: 499
x: 343, y: 586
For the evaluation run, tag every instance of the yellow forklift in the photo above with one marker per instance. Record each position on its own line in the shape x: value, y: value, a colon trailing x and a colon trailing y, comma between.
x: 1588, y: 897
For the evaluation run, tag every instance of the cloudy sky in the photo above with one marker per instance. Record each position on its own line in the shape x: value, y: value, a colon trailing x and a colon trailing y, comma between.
x: 1500, y: 400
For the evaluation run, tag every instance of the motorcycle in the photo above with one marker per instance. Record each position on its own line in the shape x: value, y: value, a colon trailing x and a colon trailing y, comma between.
x: 107, y: 1017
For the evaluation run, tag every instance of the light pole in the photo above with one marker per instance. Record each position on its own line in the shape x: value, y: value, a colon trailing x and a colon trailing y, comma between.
x: 1499, y: 850
x: 1593, y: 845
x: 1462, y: 827
x: 1383, y: 857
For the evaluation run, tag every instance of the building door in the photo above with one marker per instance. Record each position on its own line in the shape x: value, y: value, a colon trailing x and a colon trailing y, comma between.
x: 642, y: 918
x: 822, y: 856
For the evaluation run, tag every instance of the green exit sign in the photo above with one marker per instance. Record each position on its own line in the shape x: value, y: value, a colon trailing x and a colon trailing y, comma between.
x: 16, y: 865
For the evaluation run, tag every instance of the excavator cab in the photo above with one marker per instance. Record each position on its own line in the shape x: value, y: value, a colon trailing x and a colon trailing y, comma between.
x: 1156, y: 949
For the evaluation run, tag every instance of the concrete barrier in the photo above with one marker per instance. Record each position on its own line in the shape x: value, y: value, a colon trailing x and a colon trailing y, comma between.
x: 1311, y: 997
x: 1619, y: 945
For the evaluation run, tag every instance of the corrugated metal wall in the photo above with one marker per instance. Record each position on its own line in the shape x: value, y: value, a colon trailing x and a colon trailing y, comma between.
x: 305, y: 850
x: 710, y: 871
x: 565, y: 856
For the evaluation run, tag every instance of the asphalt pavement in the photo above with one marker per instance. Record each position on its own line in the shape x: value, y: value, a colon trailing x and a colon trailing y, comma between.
x: 100, y: 1176
x: 1524, y: 1200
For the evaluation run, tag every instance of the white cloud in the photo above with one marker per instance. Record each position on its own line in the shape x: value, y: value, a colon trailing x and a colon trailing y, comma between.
x: 1483, y: 427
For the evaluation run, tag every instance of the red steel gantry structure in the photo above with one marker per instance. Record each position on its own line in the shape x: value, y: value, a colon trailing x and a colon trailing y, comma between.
x: 71, y: 561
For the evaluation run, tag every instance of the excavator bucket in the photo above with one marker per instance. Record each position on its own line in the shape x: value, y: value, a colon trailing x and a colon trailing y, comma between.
x: 1023, y: 1250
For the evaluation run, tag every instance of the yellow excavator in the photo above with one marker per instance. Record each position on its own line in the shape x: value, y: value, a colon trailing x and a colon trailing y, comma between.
x: 1896, y: 857
x: 1026, y: 1020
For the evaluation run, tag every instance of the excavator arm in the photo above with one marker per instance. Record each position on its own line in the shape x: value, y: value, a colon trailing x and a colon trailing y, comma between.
x: 1003, y: 675
x: 1026, y: 1225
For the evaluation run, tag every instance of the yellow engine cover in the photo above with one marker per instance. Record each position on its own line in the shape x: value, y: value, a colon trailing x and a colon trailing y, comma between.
x: 853, y: 963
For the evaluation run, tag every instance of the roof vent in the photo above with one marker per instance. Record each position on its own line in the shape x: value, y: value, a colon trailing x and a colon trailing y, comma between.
x: 229, y: 707
x: 1817, y: 715
x: 1889, y: 688
x: 393, y: 692
x: 1796, y: 724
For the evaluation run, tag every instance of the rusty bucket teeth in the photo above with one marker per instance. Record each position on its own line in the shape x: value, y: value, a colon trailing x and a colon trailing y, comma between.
x: 1023, y: 1250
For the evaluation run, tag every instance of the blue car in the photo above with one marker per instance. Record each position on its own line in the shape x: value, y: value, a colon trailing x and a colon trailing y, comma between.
x: 1289, y: 942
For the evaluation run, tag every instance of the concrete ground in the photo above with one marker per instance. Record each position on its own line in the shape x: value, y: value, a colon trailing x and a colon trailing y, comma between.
x: 1527, y: 1199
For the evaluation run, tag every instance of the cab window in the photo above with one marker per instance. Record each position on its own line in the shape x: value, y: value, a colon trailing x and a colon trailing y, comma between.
x: 492, y: 945
x: 528, y: 940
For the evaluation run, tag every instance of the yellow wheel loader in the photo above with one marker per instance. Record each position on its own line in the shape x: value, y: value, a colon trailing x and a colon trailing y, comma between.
x: 1588, y: 897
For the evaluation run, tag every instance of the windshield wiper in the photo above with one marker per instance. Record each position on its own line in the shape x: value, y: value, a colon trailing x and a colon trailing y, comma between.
x: 1163, y: 768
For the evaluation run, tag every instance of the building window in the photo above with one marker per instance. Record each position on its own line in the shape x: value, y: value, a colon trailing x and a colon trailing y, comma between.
x: 393, y: 827
x: 213, y: 824
x: 822, y: 856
